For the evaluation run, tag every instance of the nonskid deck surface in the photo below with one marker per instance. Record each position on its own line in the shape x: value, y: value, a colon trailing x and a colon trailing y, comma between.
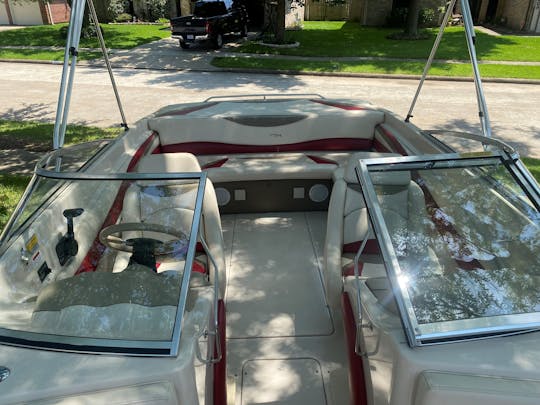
x: 283, y: 345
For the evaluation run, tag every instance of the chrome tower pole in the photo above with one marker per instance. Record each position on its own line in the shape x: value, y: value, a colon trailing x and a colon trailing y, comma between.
x: 68, y: 72
x: 446, y: 18
x: 471, y: 43
x: 93, y: 14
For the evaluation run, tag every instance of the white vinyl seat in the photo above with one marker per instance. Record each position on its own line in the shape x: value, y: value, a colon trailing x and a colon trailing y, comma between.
x: 347, y: 226
x: 176, y: 204
x: 401, y: 201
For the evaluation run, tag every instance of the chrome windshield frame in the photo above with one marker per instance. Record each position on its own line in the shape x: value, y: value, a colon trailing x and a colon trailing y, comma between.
x: 160, y: 348
x: 417, y: 334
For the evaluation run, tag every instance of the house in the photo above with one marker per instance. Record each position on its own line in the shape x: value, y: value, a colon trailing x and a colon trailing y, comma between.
x: 33, y: 12
x: 519, y: 15
x: 367, y: 12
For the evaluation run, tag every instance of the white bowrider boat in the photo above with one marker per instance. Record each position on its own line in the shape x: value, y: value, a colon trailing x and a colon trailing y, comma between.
x: 273, y: 250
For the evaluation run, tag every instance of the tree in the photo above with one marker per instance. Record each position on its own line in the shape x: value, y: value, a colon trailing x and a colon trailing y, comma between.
x: 411, y: 25
x: 280, y: 22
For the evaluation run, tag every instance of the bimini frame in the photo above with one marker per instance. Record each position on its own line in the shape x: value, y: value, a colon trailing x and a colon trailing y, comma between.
x: 68, y: 71
x: 471, y: 45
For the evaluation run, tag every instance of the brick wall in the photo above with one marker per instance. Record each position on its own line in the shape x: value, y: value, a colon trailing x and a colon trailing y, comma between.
x: 59, y: 11
x: 368, y: 12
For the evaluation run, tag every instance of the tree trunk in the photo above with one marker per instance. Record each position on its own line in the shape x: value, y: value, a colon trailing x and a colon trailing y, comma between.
x: 411, y: 25
x: 280, y: 22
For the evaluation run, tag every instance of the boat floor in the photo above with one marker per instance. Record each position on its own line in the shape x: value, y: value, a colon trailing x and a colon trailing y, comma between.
x: 283, y: 345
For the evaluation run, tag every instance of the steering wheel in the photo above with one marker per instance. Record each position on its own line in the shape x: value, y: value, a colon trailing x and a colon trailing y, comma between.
x: 178, y: 245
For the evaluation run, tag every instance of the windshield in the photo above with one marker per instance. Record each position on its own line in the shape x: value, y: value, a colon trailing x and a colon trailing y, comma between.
x: 463, y: 245
x: 104, y: 264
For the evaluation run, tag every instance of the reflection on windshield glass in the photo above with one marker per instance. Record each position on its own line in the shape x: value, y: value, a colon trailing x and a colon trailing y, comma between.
x: 467, y: 242
x: 99, y: 259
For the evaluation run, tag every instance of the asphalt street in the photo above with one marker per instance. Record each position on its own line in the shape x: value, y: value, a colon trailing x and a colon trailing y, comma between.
x: 29, y: 92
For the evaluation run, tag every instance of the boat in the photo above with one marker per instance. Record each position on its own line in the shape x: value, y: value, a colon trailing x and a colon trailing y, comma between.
x: 273, y: 249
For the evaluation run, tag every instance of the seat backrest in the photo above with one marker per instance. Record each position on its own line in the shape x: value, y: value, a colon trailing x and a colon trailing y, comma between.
x: 348, y: 222
x: 176, y: 203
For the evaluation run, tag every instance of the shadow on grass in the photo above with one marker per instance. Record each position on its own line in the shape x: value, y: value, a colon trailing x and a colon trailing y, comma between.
x: 352, y: 39
x: 37, y: 136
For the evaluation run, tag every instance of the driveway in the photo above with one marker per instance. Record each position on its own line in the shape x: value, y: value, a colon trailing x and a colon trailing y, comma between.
x: 166, y: 54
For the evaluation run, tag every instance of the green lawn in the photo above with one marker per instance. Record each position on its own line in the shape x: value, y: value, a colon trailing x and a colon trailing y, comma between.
x: 534, y: 167
x: 11, y: 189
x: 38, y: 135
x: 338, y: 38
x: 124, y: 36
x: 378, y: 67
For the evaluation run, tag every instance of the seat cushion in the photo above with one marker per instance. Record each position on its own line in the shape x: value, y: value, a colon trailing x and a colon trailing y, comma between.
x: 169, y: 163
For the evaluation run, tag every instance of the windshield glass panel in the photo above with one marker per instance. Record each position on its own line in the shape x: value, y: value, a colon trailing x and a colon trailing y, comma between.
x: 466, y: 240
x: 101, y: 259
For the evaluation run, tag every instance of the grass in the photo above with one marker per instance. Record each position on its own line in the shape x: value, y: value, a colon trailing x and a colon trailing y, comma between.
x: 338, y: 38
x: 125, y: 36
x: 378, y: 67
x: 11, y: 189
x: 38, y: 135
x: 348, y: 39
x: 534, y: 167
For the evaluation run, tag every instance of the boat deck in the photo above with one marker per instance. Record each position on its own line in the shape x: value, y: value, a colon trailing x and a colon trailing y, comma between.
x: 283, y: 344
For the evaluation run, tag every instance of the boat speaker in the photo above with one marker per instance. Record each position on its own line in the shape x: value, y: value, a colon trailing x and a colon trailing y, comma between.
x: 223, y: 196
x: 318, y: 193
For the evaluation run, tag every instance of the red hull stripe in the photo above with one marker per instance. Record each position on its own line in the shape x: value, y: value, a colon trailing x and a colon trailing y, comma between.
x: 396, y: 145
x: 220, y: 370
x: 91, y: 259
x: 218, y: 148
x: 357, y: 382
x: 378, y: 146
x: 216, y: 163
x: 371, y: 248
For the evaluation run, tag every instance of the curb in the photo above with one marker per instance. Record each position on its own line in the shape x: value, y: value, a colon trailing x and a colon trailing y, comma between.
x: 92, y: 63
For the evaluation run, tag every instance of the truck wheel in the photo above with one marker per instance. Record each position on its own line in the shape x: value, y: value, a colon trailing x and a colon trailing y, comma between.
x: 244, y: 31
x: 183, y: 44
x: 217, y: 41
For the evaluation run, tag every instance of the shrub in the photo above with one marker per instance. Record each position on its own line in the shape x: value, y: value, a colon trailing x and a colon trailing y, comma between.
x: 156, y: 9
x: 116, y: 8
x: 124, y: 17
x: 427, y: 17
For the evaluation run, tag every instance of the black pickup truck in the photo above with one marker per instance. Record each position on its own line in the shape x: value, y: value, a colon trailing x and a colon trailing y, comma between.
x: 210, y: 20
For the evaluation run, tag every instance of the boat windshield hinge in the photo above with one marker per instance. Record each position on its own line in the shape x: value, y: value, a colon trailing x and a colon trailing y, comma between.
x: 409, y: 116
x: 73, y: 51
x: 125, y: 126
